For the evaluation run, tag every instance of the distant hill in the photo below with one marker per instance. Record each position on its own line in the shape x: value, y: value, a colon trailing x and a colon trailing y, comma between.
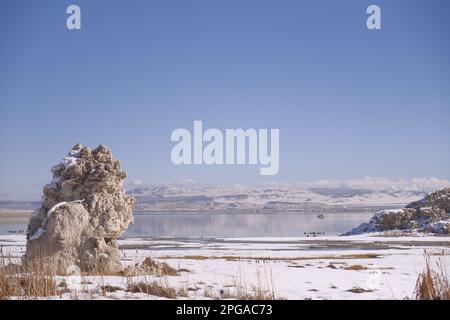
x: 20, y: 205
x: 323, y: 196
x: 318, y: 197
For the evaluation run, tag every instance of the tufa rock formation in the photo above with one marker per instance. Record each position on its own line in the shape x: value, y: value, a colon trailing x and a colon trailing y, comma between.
x: 84, y: 209
x: 429, y: 215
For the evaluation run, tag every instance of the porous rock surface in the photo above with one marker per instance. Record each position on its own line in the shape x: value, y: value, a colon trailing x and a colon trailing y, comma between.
x: 428, y: 215
x: 84, y: 209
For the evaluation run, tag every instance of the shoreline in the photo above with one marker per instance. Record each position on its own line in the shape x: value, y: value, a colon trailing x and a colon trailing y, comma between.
x: 12, y: 213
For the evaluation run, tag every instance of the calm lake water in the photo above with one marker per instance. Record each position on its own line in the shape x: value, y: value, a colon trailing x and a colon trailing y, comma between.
x: 228, y: 224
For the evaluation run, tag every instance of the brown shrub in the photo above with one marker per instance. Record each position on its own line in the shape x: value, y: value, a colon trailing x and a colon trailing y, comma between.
x: 108, y: 288
x: 153, y: 288
x: 151, y: 267
x: 34, y: 280
x: 356, y: 267
x: 433, y: 284
x: 359, y: 290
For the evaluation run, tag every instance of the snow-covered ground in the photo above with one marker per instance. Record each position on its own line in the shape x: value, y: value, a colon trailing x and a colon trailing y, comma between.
x: 353, y: 267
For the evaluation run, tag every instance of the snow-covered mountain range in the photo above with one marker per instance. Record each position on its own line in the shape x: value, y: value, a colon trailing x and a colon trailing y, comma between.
x: 351, y: 195
x: 322, y: 196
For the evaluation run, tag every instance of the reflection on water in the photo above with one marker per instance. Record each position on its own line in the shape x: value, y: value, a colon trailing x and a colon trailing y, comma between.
x: 243, y: 224
x: 227, y: 225
x: 15, y: 224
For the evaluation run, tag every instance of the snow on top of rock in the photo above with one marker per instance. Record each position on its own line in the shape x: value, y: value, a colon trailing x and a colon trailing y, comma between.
x: 67, y: 161
x: 70, y: 160
x: 74, y: 152
x: 52, y: 209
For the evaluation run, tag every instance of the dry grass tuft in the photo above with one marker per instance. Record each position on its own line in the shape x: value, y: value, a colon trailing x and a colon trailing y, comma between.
x: 151, y: 267
x: 154, y: 288
x: 262, y: 290
x: 167, y: 270
x: 183, y: 292
x: 33, y: 281
x: 158, y: 268
x: 355, y: 267
x: 257, y: 293
x: 359, y: 290
x: 109, y: 288
x: 37, y: 278
x: 433, y: 283
x: 208, y: 292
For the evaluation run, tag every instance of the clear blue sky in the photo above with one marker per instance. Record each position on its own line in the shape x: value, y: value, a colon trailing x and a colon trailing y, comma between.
x: 349, y: 102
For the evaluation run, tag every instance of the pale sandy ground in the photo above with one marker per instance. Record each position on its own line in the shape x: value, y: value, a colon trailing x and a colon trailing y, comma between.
x: 292, y: 268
